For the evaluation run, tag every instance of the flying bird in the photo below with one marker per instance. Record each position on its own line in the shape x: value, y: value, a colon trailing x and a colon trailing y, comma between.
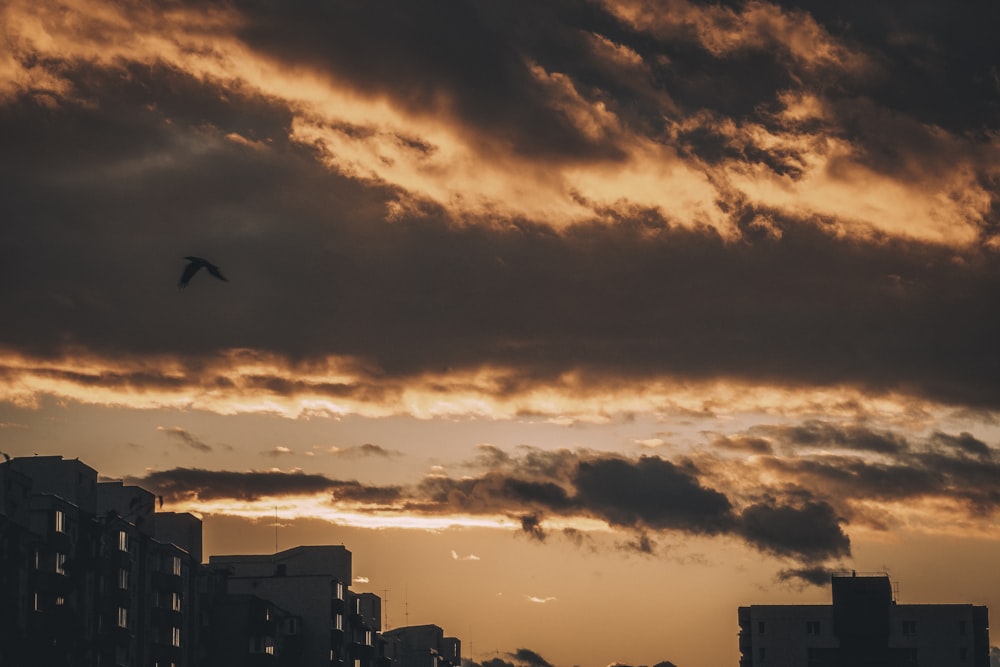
x: 195, y: 263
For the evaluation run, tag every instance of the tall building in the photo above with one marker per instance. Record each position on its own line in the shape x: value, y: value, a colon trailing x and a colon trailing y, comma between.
x: 85, y: 581
x: 864, y: 627
x: 337, y: 627
x: 91, y: 575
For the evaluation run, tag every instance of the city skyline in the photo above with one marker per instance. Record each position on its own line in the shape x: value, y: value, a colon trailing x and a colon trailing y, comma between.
x: 609, y: 313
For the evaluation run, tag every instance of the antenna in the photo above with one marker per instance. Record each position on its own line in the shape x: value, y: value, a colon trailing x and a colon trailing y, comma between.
x: 406, y: 604
x: 275, y: 529
x: 385, y: 608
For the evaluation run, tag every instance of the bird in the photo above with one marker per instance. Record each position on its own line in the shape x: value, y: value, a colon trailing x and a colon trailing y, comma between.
x: 195, y: 263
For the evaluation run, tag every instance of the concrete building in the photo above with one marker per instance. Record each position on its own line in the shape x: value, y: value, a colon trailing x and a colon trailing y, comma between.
x: 864, y: 627
x: 337, y: 627
x: 248, y: 631
x: 422, y: 646
x: 84, y: 580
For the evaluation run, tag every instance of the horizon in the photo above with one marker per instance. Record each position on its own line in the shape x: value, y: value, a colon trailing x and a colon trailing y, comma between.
x: 663, y: 306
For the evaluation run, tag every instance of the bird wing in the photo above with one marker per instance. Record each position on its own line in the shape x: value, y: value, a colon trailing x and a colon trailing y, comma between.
x: 189, y: 271
x: 214, y: 270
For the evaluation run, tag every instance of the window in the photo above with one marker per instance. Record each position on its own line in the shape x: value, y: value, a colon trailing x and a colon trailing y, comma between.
x: 38, y: 560
x: 123, y: 579
x: 762, y: 654
x: 269, y: 645
x: 963, y: 654
x: 267, y: 613
x: 60, y: 563
x: 60, y: 524
x: 175, y: 566
x: 38, y: 604
x: 122, y: 540
x: 175, y: 636
x: 60, y: 601
x: 338, y: 622
x: 760, y: 627
x: 812, y: 628
x: 961, y: 628
x: 909, y: 628
x: 122, y: 617
x: 175, y: 601
x: 121, y: 656
x: 368, y: 637
x: 338, y: 590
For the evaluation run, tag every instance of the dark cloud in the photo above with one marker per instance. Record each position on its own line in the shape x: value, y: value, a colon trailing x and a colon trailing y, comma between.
x: 747, y: 444
x: 811, y: 576
x: 178, y: 433
x: 812, y: 531
x: 366, y: 449
x: 640, y: 543
x: 650, y: 492
x: 964, y: 442
x: 640, y: 299
x: 531, y: 525
x: 522, y: 657
x: 817, y: 433
x: 188, y: 483
x: 529, y: 658
x: 371, y: 495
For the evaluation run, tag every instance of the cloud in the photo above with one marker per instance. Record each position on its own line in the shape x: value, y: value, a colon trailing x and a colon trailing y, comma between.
x: 355, y: 491
x: 650, y: 492
x: 539, y: 600
x: 529, y: 658
x: 200, y: 484
x: 811, y: 532
x: 277, y: 451
x: 652, y: 216
x: 818, y: 433
x: 364, y: 450
x: 185, y: 437
x: 455, y: 556
x: 811, y: 576
x: 361, y: 580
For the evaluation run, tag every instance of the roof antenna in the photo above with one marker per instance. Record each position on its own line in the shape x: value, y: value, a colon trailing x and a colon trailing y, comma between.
x: 275, y: 530
x: 385, y: 608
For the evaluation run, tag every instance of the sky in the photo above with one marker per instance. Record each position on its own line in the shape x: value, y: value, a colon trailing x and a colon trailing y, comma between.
x: 580, y: 323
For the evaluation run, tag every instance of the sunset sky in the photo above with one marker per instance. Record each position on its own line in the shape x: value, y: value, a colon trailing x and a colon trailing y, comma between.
x: 580, y: 323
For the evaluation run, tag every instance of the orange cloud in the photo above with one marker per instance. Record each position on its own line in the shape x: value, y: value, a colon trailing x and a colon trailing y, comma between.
x: 430, y: 155
x: 244, y: 382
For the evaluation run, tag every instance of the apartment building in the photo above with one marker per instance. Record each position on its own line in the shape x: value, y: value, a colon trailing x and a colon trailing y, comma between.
x: 864, y: 627
x: 85, y: 581
x: 422, y: 646
x: 337, y: 626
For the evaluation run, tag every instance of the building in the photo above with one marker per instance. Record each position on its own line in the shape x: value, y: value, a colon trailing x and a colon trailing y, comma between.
x: 422, y: 646
x: 85, y: 581
x: 248, y: 631
x: 864, y: 627
x: 91, y: 575
x: 336, y: 626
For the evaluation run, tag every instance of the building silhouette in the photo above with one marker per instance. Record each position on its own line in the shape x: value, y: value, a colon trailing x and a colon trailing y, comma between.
x: 91, y: 575
x: 864, y: 627
x: 85, y: 579
x: 423, y: 646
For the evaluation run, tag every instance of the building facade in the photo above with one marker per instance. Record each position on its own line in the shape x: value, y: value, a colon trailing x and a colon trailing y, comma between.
x: 92, y: 575
x: 85, y: 580
x: 337, y: 626
x: 422, y: 646
x: 864, y: 627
